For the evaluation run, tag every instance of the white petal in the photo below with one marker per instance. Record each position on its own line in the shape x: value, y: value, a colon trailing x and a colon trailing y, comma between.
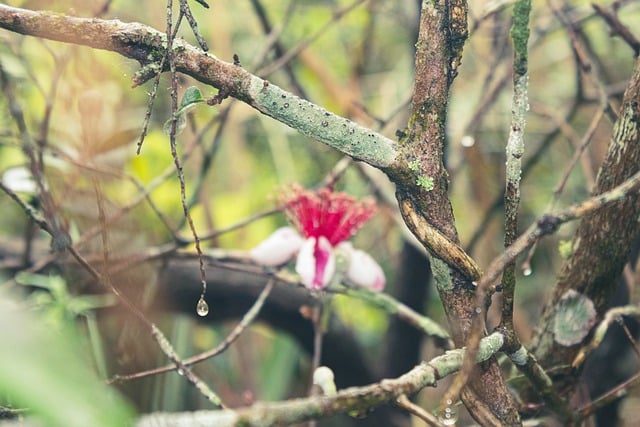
x: 19, y: 179
x: 278, y: 248
x: 306, y: 263
x: 364, y: 271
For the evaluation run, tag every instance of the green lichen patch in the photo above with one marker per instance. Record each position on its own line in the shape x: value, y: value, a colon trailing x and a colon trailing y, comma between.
x: 425, y: 182
x: 574, y: 318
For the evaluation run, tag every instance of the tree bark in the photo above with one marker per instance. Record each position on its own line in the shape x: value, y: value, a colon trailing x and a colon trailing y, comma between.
x: 422, y: 184
x: 603, y: 240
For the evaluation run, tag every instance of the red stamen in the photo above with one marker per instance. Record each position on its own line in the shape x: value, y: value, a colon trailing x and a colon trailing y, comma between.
x: 334, y: 215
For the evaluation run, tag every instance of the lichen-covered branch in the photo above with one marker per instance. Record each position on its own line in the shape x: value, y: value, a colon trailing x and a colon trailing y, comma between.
x: 515, y: 148
x: 147, y: 46
x: 351, y: 399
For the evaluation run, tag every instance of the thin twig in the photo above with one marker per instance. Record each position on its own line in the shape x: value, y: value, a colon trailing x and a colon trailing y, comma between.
x: 247, y: 319
x: 404, y: 403
x: 549, y: 223
x: 612, y: 395
x: 186, y: 11
x: 618, y: 27
x: 293, y: 52
x: 610, y: 318
x: 175, y: 156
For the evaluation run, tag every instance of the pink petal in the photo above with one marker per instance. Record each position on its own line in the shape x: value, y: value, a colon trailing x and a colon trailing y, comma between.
x: 278, y: 248
x: 363, y: 270
x: 316, y: 263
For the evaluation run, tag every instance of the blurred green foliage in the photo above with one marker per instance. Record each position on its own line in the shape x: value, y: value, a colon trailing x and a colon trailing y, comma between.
x: 43, y: 362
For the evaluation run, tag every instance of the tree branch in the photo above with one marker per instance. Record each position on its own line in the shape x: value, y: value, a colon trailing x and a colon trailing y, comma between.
x: 602, y: 243
x: 422, y: 190
x: 347, y: 400
x: 147, y: 46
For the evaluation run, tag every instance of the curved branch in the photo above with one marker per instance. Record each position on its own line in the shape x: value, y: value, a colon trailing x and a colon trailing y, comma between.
x: 147, y: 46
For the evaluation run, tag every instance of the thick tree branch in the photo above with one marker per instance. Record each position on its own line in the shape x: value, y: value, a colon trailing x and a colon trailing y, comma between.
x: 422, y: 192
x: 347, y: 400
x: 601, y: 245
x: 147, y: 46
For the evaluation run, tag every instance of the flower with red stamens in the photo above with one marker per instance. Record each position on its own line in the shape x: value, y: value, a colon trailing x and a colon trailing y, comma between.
x: 324, y: 219
x: 336, y: 216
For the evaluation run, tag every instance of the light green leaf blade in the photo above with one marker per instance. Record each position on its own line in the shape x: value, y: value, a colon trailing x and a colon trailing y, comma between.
x: 45, y: 373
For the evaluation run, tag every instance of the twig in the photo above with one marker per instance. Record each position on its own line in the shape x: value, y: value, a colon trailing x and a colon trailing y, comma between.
x: 515, y: 151
x: 138, y: 42
x: 183, y: 369
x: 404, y: 403
x: 186, y: 11
x: 610, y: 317
x: 618, y: 27
x: 291, y: 53
x: 607, y: 398
x: 402, y: 311
x: 60, y: 236
x: 549, y: 223
x: 201, y: 307
x: 247, y: 319
x: 581, y: 146
x: 159, y: 337
x: 526, y: 363
x: 29, y: 210
x: 586, y: 63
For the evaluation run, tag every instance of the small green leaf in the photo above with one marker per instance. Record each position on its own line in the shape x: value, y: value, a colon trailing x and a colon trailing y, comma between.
x: 192, y: 96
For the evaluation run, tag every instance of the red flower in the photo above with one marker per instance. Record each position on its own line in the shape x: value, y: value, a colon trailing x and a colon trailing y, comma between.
x: 335, y: 216
x: 325, y: 219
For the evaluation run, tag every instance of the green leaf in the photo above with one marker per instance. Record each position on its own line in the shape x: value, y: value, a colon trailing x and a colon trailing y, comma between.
x: 46, y: 373
x: 192, y: 97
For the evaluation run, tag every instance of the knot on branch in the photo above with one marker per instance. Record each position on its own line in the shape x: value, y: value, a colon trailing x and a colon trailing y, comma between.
x: 548, y: 224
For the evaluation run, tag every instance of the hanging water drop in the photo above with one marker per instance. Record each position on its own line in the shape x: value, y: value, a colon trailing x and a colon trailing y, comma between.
x: 202, y: 308
x: 449, y: 415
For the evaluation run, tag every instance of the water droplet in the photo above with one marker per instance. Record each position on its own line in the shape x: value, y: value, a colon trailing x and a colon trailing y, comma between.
x: 202, y: 308
x: 448, y: 416
x: 324, y: 123
x: 351, y: 131
x: 286, y: 105
x: 478, y: 310
x: 180, y: 372
x: 526, y: 271
x: 467, y: 141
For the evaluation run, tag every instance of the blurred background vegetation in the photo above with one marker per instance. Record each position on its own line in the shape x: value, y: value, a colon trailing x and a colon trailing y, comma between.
x: 353, y: 58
